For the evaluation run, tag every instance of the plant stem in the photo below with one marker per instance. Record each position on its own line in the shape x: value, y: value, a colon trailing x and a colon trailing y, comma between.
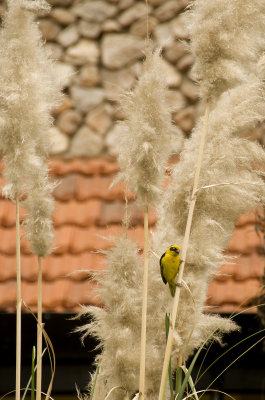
x: 183, y: 254
x: 39, y: 331
x: 32, y: 396
x: 144, y: 306
x: 19, y: 301
x: 170, y: 378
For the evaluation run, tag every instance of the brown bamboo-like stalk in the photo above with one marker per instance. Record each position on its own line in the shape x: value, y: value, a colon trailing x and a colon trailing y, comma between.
x: 183, y: 255
x: 144, y: 306
x: 39, y: 332
x: 19, y: 301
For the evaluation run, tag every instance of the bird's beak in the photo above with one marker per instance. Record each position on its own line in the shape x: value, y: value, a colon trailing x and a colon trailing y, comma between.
x: 176, y: 251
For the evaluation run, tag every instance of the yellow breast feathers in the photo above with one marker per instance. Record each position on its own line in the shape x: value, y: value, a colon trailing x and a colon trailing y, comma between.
x: 169, y: 266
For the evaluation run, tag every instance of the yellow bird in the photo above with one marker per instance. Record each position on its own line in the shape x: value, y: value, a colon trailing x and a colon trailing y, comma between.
x: 169, y: 266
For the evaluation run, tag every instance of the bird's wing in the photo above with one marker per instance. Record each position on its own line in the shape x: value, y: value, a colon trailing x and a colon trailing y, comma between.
x: 161, y: 268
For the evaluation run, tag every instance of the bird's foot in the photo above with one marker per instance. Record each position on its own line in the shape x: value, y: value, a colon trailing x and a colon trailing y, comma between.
x: 178, y: 285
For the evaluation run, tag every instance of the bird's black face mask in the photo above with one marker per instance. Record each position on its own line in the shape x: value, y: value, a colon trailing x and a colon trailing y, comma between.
x: 174, y: 249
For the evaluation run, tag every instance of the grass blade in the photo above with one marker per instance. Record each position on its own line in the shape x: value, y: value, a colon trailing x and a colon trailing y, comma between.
x: 188, y: 373
x: 94, y: 382
x: 30, y: 379
x: 232, y: 316
x: 191, y: 383
x: 237, y: 358
x: 212, y: 391
x: 227, y: 351
x: 178, y: 380
x: 51, y: 353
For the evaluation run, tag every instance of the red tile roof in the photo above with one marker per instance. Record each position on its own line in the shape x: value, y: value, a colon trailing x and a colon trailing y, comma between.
x: 87, y: 212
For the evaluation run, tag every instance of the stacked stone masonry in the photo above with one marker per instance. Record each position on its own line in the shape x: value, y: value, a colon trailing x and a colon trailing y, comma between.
x: 98, y: 47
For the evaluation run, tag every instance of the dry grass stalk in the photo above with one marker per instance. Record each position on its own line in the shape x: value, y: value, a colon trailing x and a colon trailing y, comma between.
x: 227, y: 158
x: 145, y: 146
x: 19, y: 302
x: 144, y: 306
x: 29, y: 91
x: 148, y: 132
x: 183, y: 254
x: 39, y: 332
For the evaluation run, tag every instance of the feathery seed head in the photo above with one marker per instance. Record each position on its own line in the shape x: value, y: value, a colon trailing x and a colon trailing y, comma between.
x: 226, y: 38
x: 29, y: 91
x: 118, y: 325
x: 148, y: 132
x: 230, y: 183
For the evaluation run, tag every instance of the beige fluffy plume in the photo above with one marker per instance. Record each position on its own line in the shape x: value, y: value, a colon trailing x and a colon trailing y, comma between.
x: 227, y: 39
x: 118, y: 325
x: 144, y: 149
x: 29, y: 91
x: 230, y: 181
x: 148, y: 133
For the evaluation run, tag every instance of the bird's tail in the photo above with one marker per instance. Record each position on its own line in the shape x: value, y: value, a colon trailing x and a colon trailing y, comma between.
x: 172, y: 289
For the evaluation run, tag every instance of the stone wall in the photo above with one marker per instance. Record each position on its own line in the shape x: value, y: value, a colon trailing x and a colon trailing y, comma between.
x: 100, y: 43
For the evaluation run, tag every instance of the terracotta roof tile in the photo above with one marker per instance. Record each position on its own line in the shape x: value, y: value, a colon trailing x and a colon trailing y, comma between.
x: 111, y: 213
x: 100, y: 187
x: 78, y: 213
x: 93, y: 238
x: 249, y: 218
x: 63, y: 239
x: 29, y: 271
x: 245, y: 266
x: 137, y: 215
x: 55, y: 295
x: 71, y: 266
x: 66, y: 188
x: 8, y: 241
x: 53, y: 266
x: 8, y: 295
x: 82, y: 293
x: 7, y: 267
x: 7, y: 213
x: 117, y: 192
x: 87, y: 218
x: 246, y: 240
x: 239, y: 293
x: 103, y: 165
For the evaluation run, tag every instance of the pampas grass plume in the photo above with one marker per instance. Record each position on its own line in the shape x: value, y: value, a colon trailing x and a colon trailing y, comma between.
x: 29, y: 91
x: 230, y: 183
x: 144, y: 149
x: 146, y: 142
x: 118, y: 326
x: 226, y: 38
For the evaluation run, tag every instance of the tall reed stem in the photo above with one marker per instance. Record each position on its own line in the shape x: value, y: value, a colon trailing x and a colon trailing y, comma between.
x: 144, y: 306
x: 183, y: 254
x: 39, y: 332
x: 19, y: 301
